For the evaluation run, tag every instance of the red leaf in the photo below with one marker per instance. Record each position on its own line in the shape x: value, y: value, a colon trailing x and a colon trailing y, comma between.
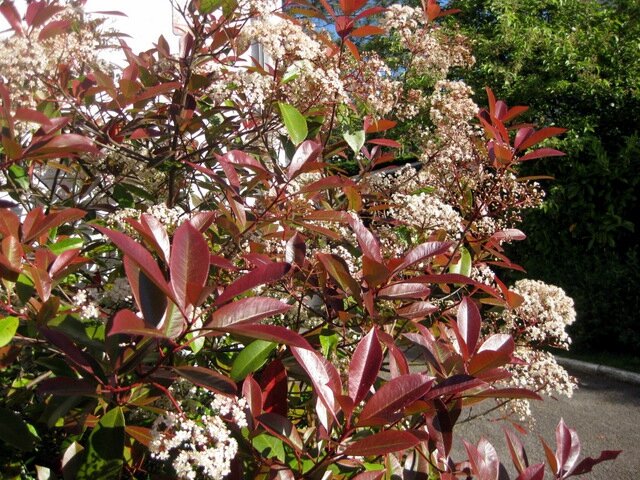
x: 454, y: 385
x: 333, y: 181
x: 207, y: 378
x: 295, y: 250
x: 337, y: 268
x: 369, y: 244
x: 364, y: 366
x: 417, y: 310
x: 188, y: 271
x: 467, y: 327
x: 252, y: 393
x: 380, y: 126
x: 367, y: 30
x: 484, y: 460
x: 63, y: 260
x: 394, y: 395
x: 323, y: 375
x: 375, y: 273
x: 221, y: 262
x: 243, y: 159
x: 64, y: 144
x: 158, y: 236
x: 271, y: 333
x: 534, y: 472
x: 263, y: 274
x: 140, y: 256
x: 371, y: 475
x: 567, y: 448
x: 140, y: 434
x: 422, y: 252
x: 494, y: 352
x: 517, y: 452
x: 39, y: 224
x: 273, y: 381
x: 542, y: 153
x: 388, y: 441
x: 246, y: 310
x: 350, y: 6
x: 385, y: 142
x: 156, y: 90
x: 28, y: 115
x: 128, y: 323
x: 542, y: 134
x: 54, y: 28
x: 308, y: 151
x: 404, y: 290
x: 39, y: 12
x: 9, y: 12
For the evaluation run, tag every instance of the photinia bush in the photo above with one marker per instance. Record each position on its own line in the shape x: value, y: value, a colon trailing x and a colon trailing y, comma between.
x: 193, y: 286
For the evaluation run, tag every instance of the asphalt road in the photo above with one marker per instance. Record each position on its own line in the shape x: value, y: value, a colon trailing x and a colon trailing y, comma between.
x: 604, y: 412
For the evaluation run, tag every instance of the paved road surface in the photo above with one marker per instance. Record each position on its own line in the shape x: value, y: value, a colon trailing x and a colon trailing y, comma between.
x: 604, y: 412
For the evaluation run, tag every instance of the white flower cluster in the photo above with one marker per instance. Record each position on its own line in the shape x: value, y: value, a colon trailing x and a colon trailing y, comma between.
x: 433, y: 53
x: 427, y: 213
x: 542, y: 317
x: 25, y: 61
x: 89, y: 309
x: 540, y: 373
x: 202, y: 448
x: 169, y: 217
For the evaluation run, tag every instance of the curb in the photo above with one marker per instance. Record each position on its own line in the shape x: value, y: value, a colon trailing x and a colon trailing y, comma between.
x: 615, y: 373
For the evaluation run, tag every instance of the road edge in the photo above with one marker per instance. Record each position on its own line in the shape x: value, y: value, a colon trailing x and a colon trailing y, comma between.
x: 595, y: 369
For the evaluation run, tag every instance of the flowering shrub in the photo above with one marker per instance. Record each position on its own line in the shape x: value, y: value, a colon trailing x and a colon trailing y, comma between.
x: 192, y: 287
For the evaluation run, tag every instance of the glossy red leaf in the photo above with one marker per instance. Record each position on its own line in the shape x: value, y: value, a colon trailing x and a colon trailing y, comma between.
x: 367, y: 30
x: 397, y: 361
x: 388, y: 441
x: 350, y: 6
x: 496, y: 351
x: 454, y: 386
x: 128, y: 323
x: 517, y: 452
x: 158, y: 235
x: 69, y: 349
x: 155, y: 90
x: 323, y: 375
x: 264, y: 274
x: 534, y: 472
x: 39, y: 12
x: 9, y: 223
x: 29, y: 115
x: 246, y: 310
x: 140, y: 256
x: 364, y: 366
x: 375, y: 273
x: 404, y: 290
x: 393, y: 396
x: 467, y: 327
x: 207, y: 378
x: 142, y: 435
x: 567, y: 447
x: 270, y: 333
x: 243, y: 159
x: 54, y: 28
x: 417, y: 310
x: 542, y: 153
x: 380, y: 125
x: 252, y: 393
x: 533, y: 138
x: 65, y: 144
x: 39, y: 224
x: 333, y: 181
x: 368, y: 243
x: 273, y: 380
x: 484, y: 460
x: 308, y: 151
x: 64, y: 260
x: 421, y: 253
x: 12, y: 16
x: 385, y: 142
x: 338, y: 270
x: 295, y: 250
x: 188, y: 270
x: 508, y: 393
